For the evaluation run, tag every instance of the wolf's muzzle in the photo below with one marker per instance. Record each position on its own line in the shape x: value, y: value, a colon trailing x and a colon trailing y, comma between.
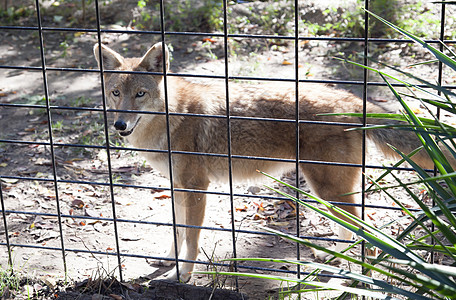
x: 121, y: 126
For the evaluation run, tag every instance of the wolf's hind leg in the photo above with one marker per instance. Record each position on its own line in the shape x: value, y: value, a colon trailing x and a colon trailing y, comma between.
x: 331, y: 183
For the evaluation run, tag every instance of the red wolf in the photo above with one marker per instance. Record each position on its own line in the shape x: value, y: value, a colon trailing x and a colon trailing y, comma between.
x: 255, y: 137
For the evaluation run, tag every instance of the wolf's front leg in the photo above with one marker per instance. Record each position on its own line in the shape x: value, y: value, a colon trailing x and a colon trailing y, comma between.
x: 193, y: 206
x: 180, y: 231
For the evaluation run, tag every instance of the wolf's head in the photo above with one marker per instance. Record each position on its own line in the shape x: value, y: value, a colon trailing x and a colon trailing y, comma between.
x: 133, y: 92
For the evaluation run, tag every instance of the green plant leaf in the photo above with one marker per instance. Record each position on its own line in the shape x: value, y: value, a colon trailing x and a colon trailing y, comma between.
x: 440, y: 56
x: 385, y: 286
x: 436, y: 186
x: 377, y: 294
x: 368, y: 232
x: 435, y: 285
x: 405, y: 209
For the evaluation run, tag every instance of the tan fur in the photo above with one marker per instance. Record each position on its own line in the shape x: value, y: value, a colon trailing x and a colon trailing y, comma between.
x: 248, y: 137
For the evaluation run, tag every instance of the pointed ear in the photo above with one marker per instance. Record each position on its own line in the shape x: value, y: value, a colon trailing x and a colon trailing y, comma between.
x: 111, y: 59
x: 152, y: 61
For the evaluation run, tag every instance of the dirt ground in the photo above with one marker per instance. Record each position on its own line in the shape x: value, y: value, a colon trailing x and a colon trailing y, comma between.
x: 87, y: 225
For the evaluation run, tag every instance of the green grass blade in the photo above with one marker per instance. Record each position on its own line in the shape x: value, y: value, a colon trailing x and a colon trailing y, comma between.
x: 417, y: 220
x: 446, y: 270
x: 423, y: 81
x: 434, y: 130
x: 434, y: 285
x: 438, y: 54
x: 423, y: 63
x: 431, y: 147
x: 388, y: 171
x: 342, y: 256
x: 382, y: 241
x: 449, y: 107
x: 443, y: 207
x: 426, y: 180
x: 437, y: 280
x: 435, y: 248
x: 387, y: 116
x: 377, y: 294
x: 421, y: 216
x: 446, y: 231
x: 407, y: 84
x: 337, y: 271
x: 393, y: 248
x: 374, y: 236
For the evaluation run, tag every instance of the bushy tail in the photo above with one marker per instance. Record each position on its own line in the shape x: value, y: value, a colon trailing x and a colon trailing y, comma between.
x: 406, y: 141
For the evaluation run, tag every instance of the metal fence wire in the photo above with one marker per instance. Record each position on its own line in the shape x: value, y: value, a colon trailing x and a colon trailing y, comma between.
x: 108, y: 183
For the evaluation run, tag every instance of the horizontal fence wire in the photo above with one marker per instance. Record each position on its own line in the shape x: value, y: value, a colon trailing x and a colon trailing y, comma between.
x: 229, y: 35
x: 241, y: 78
x: 52, y: 144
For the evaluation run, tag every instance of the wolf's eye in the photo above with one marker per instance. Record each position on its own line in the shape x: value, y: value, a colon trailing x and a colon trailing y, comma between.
x: 140, y: 94
x: 116, y: 93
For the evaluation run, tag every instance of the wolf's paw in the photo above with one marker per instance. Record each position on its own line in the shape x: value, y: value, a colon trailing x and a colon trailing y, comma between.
x: 166, y: 263
x: 163, y: 262
x: 183, y: 276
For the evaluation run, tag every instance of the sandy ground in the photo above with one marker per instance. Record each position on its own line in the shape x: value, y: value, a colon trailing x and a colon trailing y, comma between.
x: 32, y: 206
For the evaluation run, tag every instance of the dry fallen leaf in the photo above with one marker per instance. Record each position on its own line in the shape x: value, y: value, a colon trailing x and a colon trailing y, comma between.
x: 162, y: 196
x: 279, y: 224
x: 244, y: 208
x: 209, y: 40
x: 77, y: 203
x: 259, y: 206
x: 127, y: 239
x: 286, y: 62
x: 7, y: 180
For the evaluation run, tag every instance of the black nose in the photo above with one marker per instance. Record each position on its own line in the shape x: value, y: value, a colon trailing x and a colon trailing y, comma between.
x: 120, y: 125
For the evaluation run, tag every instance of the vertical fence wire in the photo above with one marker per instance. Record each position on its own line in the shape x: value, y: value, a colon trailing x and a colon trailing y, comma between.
x: 108, y: 146
x: 168, y: 137
x: 5, y: 223
x: 364, y: 121
x: 228, y: 137
x: 439, y: 83
x: 297, y: 145
x: 51, y: 139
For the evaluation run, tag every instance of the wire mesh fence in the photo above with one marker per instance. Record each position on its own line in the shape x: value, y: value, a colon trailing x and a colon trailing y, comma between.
x: 68, y: 182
